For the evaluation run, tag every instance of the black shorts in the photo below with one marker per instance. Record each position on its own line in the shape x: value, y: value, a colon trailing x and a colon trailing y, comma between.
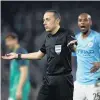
x: 56, y: 88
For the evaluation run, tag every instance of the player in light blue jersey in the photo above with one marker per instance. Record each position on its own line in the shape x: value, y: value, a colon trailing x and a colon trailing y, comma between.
x: 87, y: 84
x: 88, y: 52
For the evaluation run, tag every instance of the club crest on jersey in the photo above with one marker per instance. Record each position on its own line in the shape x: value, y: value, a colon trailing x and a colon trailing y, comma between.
x: 90, y: 44
x: 58, y: 49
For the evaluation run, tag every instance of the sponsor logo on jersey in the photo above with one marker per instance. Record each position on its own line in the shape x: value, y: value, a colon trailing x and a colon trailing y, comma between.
x: 85, y: 52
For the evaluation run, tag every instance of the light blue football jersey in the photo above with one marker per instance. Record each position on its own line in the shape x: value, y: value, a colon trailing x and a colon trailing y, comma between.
x: 87, y: 52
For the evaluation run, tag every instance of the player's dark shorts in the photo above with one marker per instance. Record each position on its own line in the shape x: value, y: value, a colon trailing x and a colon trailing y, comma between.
x: 58, y: 87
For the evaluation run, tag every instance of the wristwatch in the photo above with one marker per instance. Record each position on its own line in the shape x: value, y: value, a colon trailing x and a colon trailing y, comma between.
x: 19, y: 56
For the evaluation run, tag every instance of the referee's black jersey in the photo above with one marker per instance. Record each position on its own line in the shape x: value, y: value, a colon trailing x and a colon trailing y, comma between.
x: 58, y: 54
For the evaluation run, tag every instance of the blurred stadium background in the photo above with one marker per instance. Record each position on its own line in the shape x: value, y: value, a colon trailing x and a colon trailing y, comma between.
x: 25, y: 19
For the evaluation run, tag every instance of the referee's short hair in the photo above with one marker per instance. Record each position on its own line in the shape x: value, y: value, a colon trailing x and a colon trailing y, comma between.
x: 11, y: 35
x: 56, y: 13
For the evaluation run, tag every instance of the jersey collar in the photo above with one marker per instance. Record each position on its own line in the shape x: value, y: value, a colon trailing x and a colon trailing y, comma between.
x: 58, y: 32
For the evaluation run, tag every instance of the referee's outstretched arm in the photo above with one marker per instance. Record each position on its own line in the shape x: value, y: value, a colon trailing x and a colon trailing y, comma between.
x: 34, y: 55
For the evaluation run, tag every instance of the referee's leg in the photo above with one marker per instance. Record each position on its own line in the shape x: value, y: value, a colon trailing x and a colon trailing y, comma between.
x: 43, y: 93
x: 65, y: 87
x: 46, y: 91
x: 57, y: 88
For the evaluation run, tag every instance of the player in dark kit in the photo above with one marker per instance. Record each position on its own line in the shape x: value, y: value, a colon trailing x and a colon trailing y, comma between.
x: 58, y: 81
x: 19, y: 85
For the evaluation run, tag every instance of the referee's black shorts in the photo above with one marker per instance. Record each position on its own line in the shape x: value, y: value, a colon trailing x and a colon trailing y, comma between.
x: 58, y: 87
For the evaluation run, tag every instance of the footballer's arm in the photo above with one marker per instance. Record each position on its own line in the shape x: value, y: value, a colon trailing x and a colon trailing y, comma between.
x: 22, y: 80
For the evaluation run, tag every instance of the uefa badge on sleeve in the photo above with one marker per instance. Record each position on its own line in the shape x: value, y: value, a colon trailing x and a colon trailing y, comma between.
x: 58, y: 49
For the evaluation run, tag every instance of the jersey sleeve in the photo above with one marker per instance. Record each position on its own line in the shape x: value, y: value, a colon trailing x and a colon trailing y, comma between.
x: 22, y: 62
x: 43, y: 48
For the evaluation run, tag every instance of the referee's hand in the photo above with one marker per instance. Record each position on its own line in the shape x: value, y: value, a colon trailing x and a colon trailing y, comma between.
x: 73, y: 42
x: 10, y: 56
x: 96, y: 66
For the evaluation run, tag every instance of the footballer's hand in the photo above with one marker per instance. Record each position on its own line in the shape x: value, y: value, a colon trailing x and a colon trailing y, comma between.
x: 19, y: 94
x: 10, y: 56
x: 73, y: 42
x: 96, y: 66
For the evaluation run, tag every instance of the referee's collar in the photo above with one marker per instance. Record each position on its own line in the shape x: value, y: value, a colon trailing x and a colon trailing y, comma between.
x: 60, y: 30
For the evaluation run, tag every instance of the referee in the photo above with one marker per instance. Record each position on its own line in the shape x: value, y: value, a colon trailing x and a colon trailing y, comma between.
x: 58, y: 81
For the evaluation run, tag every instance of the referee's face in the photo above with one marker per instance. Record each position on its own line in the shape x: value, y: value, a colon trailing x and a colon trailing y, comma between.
x: 84, y: 23
x: 50, y: 22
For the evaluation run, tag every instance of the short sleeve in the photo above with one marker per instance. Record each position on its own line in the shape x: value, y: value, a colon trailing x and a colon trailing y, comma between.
x: 22, y: 62
x: 43, y: 48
